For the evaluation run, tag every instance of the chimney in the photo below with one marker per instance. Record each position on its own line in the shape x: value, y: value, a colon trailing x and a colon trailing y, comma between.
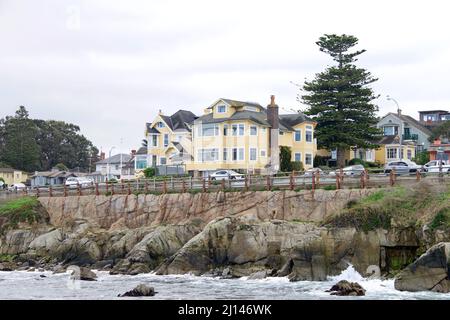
x: 399, y: 111
x: 274, y: 122
x: 102, y: 156
x: 133, y: 153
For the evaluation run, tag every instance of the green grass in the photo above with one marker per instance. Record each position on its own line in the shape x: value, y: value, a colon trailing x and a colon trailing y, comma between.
x: 398, y: 205
x: 26, y: 209
x: 441, y: 219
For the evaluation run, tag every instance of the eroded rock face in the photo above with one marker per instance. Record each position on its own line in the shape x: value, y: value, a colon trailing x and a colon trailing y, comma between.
x: 431, y: 271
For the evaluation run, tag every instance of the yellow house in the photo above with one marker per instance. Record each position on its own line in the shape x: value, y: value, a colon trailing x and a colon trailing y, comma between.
x: 11, y: 176
x: 169, y: 139
x: 245, y: 136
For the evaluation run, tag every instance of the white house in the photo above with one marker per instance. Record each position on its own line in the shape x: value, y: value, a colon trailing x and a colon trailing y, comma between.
x: 113, y: 167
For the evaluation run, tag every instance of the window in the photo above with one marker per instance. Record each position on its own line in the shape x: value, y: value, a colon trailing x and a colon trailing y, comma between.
x: 391, y: 153
x: 154, y: 140
x: 208, y: 154
x: 238, y: 154
x: 225, y: 129
x: 298, y: 135
x: 402, y: 154
x: 263, y: 153
x: 253, y: 153
x: 162, y: 161
x: 308, y: 158
x: 225, y: 154
x: 409, y: 154
x: 308, y: 134
x: 141, y: 162
x: 166, y: 140
x: 298, y: 156
x: 160, y: 124
x: 390, y: 130
x: 241, y: 129
x: 237, y: 129
x: 221, y: 109
x: 254, y: 109
x: 253, y: 130
x: 208, y: 130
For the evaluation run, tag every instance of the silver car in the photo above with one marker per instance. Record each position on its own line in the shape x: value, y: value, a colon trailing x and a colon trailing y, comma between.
x: 402, y: 167
x: 354, y: 170
x: 226, y: 174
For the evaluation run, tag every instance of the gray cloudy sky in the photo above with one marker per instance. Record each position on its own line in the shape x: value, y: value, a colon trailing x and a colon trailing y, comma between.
x: 108, y: 66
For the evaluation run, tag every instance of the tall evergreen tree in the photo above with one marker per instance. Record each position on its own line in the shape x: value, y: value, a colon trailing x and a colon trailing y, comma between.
x: 18, y: 146
x: 340, y: 99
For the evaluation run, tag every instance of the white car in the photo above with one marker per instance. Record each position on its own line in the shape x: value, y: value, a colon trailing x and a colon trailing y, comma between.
x: 226, y: 174
x: 73, y: 182
x: 433, y: 166
x: 310, y: 171
x: 354, y: 170
x: 17, y: 187
x: 404, y: 166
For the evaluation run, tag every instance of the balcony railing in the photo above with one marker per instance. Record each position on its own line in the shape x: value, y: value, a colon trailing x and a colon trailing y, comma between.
x: 410, y: 136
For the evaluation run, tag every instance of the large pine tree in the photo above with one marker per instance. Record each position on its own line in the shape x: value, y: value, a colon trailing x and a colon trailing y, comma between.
x: 340, y: 99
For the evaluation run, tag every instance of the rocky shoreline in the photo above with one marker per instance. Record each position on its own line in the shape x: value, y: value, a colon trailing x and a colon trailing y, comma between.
x: 248, y: 243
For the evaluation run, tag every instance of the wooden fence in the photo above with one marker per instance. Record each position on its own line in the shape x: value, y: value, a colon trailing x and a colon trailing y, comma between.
x: 293, y: 181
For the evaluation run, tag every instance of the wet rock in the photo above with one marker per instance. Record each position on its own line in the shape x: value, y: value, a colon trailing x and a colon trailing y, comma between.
x: 258, y: 275
x: 346, y: 288
x: 141, y: 290
x: 42, y: 276
x: 7, y: 266
x: 286, y: 269
x: 82, y: 273
x: 430, y: 271
x: 59, y: 269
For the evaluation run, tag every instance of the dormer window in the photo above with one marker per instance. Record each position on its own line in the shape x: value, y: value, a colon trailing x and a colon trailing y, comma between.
x: 160, y: 124
x: 221, y: 108
x: 254, y: 109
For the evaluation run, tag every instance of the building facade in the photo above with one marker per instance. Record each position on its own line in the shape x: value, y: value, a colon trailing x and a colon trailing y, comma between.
x: 11, y: 176
x: 231, y: 134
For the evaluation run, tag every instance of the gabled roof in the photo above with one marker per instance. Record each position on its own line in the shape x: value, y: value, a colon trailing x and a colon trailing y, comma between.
x: 429, y: 111
x: 287, y: 121
x: 115, y: 159
x: 237, y: 103
x: 410, y: 120
x: 142, y: 150
x: 177, y: 122
x: 389, y: 140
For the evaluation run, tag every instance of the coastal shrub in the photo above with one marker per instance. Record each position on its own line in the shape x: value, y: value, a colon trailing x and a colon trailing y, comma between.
x: 441, y: 219
x: 297, y: 166
x: 356, y: 161
x: 149, y: 172
x: 21, y: 210
x: 329, y: 187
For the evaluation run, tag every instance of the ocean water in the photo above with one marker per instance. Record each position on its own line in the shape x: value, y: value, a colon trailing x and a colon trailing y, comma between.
x: 32, y: 285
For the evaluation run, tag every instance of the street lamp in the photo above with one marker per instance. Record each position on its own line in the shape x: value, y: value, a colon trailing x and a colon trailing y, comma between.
x: 108, y: 167
x: 439, y: 152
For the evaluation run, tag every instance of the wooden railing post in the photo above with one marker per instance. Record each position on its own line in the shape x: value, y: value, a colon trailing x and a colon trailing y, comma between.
x: 146, y: 187
x: 203, y: 185
x: 164, y: 186
x: 97, y: 193
x: 209, y: 182
x: 37, y: 192
x: 317, y: 177
x: 313, y: 181
x: 338, y: 181
x: 223, y: 184
x: 65, y: 190
x: 107, y: 187
x: 50, y: 192
x: 246, y: 183
x: 112, y: 189
x: 268, y: 187
x: 418, y: 175
x: 122, y: 186
x: 129, y: 188
x: 362, y: 180
x: 341, y: 174
x: 291, y: 181
x: 79, y: 189
x: 183, y: 185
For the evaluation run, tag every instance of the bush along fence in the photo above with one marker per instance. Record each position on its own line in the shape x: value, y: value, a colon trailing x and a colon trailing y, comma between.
x: 291, y: 181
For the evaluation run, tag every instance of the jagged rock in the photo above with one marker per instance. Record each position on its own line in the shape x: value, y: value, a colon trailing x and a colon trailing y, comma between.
x: 345, y: 288
x: 258, y: 275
x: 59, y: 269
x: 7, y: 266
x: 286, y: 269
x: 141, y: 290
x: 428, y: 272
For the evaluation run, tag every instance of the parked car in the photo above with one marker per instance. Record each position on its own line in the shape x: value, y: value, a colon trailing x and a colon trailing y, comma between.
x: 73, y: 182
x: 354, y: 170
x: 309, y: 172
x: 433, y: 166
x: 17, y: 187
x: 402, y: 167
x: 226, y: 174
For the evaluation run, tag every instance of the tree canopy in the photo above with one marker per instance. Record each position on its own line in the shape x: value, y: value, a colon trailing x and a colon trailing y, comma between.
x: 442, y: 131
x: 340, y: 99
x: 33, y: 144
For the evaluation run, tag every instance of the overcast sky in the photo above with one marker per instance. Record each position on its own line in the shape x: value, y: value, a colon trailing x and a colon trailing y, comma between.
x: 108, y: 66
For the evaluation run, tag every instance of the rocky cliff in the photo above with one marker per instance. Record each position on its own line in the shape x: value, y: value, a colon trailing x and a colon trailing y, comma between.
x: 303, y: 235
